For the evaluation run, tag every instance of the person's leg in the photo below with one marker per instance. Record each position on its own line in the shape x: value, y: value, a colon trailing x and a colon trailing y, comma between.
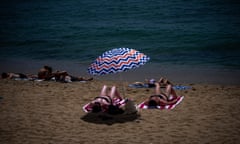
x: 104, y: 91
x: 173, y: 92
x: 157, y: 89
x: 161, y: 80
x: 89, y: 79
x: 114, y: 92
x: 170, y: 91
x: 167, y: 82
x: 164, y: 81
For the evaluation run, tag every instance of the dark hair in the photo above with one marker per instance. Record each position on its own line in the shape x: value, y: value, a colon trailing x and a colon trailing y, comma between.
x: 4, y: 75
x: 112, y: 109
x: 152, y: 104
x: 48, y: 68
x: 96, y: 107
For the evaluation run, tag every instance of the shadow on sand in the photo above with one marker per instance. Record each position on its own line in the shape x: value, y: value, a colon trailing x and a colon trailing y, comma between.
x: 103, y: 118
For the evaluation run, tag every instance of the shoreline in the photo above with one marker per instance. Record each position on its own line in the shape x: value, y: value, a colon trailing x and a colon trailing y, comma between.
x: 175, y: 73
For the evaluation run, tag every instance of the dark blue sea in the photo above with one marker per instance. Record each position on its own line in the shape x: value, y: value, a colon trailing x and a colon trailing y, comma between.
x: 174, y: 33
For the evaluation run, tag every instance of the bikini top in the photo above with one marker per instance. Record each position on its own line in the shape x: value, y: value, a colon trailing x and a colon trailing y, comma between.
x: 160, y: 96
x: 106, y: 98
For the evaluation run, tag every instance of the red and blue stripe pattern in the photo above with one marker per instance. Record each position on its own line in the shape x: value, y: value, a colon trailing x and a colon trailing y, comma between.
x: 117, y: 60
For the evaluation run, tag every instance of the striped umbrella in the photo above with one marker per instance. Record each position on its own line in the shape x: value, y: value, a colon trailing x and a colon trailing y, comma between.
x: 117, y: 60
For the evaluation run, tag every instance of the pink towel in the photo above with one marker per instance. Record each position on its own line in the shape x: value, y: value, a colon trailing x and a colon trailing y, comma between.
x: 87, y: 108
x: 172, y: 106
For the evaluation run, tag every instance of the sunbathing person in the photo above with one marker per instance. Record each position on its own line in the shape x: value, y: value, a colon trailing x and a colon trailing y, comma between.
x: 105, y: 102
x: 162, y: 81
x: 45, y: 73
x: 13, y: 75
x: 63, y: 76
x: 151, y: 83
x: 161, y: 98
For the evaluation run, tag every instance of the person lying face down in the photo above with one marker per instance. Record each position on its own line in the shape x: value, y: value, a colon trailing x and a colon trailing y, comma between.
x: 63, y: 76
x: 13, y: 75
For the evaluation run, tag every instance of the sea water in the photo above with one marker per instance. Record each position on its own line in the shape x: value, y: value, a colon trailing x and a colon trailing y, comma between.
x: 175, y: 34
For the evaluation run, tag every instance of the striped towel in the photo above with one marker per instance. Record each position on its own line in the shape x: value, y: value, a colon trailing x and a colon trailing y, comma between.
x: 87, y: 108
x: 180, y: 98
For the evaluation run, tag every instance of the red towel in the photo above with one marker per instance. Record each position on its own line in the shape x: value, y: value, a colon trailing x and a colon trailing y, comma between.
x: 179, y: 99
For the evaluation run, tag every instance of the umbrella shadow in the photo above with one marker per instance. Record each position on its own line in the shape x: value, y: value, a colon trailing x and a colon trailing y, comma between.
x: 103, y: 118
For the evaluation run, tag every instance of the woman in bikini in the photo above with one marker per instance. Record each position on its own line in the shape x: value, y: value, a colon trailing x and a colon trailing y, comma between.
x: 104, y: 101
x: 161, y: 98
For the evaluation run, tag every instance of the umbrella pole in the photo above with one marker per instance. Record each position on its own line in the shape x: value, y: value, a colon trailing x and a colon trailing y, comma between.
x: 122, y: 83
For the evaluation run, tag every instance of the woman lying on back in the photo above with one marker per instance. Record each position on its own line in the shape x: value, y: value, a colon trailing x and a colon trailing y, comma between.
x: 161, y: 98
x: 105, y: 101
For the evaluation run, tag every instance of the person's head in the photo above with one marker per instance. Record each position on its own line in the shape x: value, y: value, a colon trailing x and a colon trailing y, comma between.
x: 45, y: 73
x: 48, y: 68
x: 152, y: 104
x: 4, y: 75
x: 96, y: 107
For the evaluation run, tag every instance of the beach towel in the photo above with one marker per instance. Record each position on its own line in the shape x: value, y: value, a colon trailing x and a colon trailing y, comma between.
x: 181, y: 87
x: 138, y: 85
x: 117, y: 102
x: 141, y: 85
x: 52, y: 79
x: 179, y: 99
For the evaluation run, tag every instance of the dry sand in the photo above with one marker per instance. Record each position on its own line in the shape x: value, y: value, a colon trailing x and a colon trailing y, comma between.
x: 51, y: 113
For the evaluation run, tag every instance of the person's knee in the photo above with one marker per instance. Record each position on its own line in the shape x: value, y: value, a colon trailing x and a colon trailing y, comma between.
x: 104, y: 86
x: 169, y: 87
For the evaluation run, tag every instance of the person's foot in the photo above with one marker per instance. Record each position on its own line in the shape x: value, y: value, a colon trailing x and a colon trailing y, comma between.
x: 161, y: 80
x: 164, y: 82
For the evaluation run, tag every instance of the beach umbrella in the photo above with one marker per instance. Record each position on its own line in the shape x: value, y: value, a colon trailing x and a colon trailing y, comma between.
x: 117, y: 60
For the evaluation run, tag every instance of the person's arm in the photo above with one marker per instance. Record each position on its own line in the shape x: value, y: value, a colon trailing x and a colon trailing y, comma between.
x: 170, y: 91
x: 13, y: 75
x: 146, y: 101
x: 168, y: 102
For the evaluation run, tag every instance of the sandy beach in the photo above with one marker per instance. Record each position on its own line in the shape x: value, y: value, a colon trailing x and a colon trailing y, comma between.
x: 193, y: 44
x: 51, y: 112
